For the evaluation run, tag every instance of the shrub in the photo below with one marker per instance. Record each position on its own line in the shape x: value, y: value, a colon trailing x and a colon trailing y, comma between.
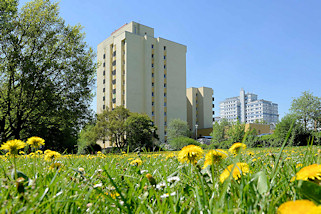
x: 179, y: 142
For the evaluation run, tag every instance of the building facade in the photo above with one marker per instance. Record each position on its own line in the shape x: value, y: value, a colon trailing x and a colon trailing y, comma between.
x: 200, y: 108
x: 247, y: 108
x: 142, y: 73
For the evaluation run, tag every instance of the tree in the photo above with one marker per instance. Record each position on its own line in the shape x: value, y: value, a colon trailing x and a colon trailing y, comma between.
x: 139, y: 131
x: 219, y: 131
x: 181, y: 141
x: 308, y: 109
x: 236, y: 132
x: 177, y: 128
x: 111, y: 126
x: 46, y: 74
x: 87, y: 138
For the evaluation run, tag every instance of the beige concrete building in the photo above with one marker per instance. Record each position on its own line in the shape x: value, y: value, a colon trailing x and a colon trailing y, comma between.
x: 200, y: 108
x: 143, y: 73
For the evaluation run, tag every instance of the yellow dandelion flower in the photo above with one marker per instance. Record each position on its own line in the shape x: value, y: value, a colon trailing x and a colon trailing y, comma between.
x: 312, y: 172
x: 136, y: 162
x: 299, y: 207
x: 151, y: 179
x: 21, y: 152
x: 250, y: 154
x: 12, y: 146
x: 213, y: 157
x: 236, y: 148
x: 299, y: 165
x: 190, y: 154
x: 239, y: 170
x: 36, y: 142
x: 55, y: 165
x: 51, y: 155
x: 39, y: 152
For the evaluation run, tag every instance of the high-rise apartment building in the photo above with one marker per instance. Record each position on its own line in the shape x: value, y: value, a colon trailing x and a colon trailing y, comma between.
x: 200, y: 108
x: 248, y: 109
x: 143, y: 73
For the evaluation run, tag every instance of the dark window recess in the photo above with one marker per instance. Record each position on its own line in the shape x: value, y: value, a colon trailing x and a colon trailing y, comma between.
x: 164, y: 85
x: 152, y: 84
x: 113, y: 72
x: 104, y: 64
x: 104, y: 73
x: 104, y: 107
x: 152, y: 46
x: 165, y: 124
x: 114, y: 100
x: 104, y: 56
x: 114, y: 91
x: 164, y: 103
x: 114, y: 53
x: 152, y: 74
x: 103, y: 98
x: 114, y: 82
x: 103, y: 81
x: 164, y: 57
x: 152, y: 113
x: 213, y: 119
x: 213, y: 112
x: 103, y: 89
x: 152, y: 55
x: 152, y: 94
x: 212, y: 105
x: 164, y: 75
x: 152, y: 65
x: 114, y: 63
x: 164, y: 66
x: 152, y: 103
x: 164, y: 113
x: 164, y: 48
x: 164, y: 94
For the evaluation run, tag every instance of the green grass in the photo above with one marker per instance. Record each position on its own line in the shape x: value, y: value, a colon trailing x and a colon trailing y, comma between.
x: 109, y: 184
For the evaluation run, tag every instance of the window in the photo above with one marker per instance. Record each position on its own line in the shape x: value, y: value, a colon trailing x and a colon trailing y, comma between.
x: 164, y: 94
x: 103, y: 89
x: 114, y: 91
x: 165, y: 124
x: 152, y: 65
x: 104, y: 81
x: 114, y: 82
x: 104, y: 56
x: 152, y: 46
x: 164, y: 103
x: 152, y: 84
x: 164, y: 75
x: 164, y: 66
x: 165, y: 57
x: 103, y: 98
x: 152, y: 94
x: 152, y: 55
x: 164, y: 48
x: 113, y: 72
x: 165, y: 113
x: 114, y: 53
x: 152, y: 103
x: 164, y: 85
x: 114, y: 100
x: 104, y: 64
x: 165, y: 133
x: 152, y: 74
x: 114, y: 63
x: 104, y: 107
x: 152, y: 113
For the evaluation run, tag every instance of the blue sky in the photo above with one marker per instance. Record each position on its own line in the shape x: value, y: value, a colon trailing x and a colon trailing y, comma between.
x: 271, y: 48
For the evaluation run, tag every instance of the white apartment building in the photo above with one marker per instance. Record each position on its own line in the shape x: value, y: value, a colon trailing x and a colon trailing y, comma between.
x: 248, y: 109
x: 144, y: 74
x: 200, y: 108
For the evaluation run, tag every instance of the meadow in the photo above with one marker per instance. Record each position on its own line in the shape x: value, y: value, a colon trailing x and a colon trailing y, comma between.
x: 161, y: 182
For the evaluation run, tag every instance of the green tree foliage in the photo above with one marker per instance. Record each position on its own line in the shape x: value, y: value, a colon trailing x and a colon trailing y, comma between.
x: 181, y: 141
x: 111, y: 126
x: 123, y: 128
x: 219, y: 131
x: 46, y: 74
x: 236, y: 132
x: 139, y: 131
x: 308, y: 109
x: 87, y: 138
x: 177, y: 128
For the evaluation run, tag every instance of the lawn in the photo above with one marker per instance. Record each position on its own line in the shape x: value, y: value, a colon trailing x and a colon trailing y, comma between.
x: 157, y: 182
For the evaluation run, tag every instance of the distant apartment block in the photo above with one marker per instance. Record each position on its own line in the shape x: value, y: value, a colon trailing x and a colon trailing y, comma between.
x: 200, y: 108
x: 144, y: 74
x: 247, y: 108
